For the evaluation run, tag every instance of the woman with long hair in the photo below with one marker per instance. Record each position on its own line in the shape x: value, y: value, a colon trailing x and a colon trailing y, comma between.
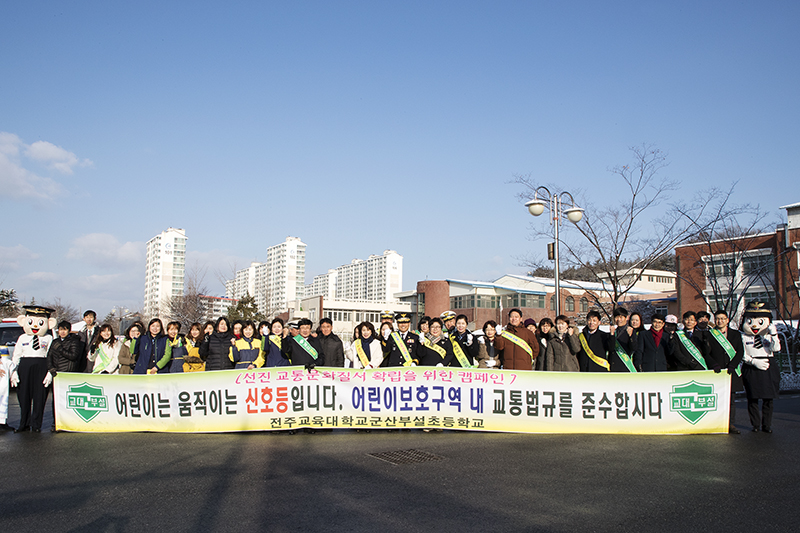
x: 192, y: 361
x: 216, y: 347
x: 127, y: 361
x: 153, y: 351
x: 272, y: 344
x: 366, y: 351
x: 104, y: 352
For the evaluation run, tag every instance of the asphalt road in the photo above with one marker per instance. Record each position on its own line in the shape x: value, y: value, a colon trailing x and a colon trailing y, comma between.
x: 328, y: 481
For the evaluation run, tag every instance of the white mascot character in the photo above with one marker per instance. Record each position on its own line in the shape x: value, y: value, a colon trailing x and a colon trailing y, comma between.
x: 29, y: 365
x: 760, y: 372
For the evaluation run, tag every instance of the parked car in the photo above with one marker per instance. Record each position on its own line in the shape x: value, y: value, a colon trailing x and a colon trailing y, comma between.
x: 9, y: 333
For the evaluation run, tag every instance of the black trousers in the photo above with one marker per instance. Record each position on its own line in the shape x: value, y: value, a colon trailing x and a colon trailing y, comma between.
x: 31, y: 390
x: 763, y: 418
x: 733, y: 409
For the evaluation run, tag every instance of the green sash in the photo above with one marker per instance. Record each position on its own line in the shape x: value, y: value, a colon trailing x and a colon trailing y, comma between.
x: 306, y: 346
x: 362, y: 355
x: 460, y: 355
x: 622, y: 354
x: 519, y: 342
x: 402, y: 347
x: 726, y: 345
x: 105, y: 360
x: 692, y: 349
x: 598, y: 360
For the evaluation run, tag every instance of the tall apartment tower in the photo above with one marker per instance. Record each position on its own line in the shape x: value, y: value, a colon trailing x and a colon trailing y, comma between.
x: 375, y: 279
x: 276, y: 282
x: 285, y: 273
x: 165, y: 270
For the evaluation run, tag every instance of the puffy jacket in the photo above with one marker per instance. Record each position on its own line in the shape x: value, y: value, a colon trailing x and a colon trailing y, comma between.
x: 66, y: 355
x: 152, y: 352
x: 514, y: 357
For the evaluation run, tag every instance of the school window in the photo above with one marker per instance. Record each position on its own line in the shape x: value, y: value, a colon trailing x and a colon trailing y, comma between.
x: 570, y: 304
x: 553, y: 303
x: 584, y: 305
x: 758, y: 264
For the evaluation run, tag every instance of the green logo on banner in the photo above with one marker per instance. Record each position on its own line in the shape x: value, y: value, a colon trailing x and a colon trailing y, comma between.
x: 693, y: 400
x: 86, y: 400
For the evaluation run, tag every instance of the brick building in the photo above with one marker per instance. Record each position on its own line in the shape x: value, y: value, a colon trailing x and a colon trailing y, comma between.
x: 731, y: 272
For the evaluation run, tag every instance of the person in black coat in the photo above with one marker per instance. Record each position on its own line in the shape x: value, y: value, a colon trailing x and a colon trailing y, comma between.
x: 599, y: 342
x: 66, y: 351
x: 697, y: 337
x: 216, y: 346
x: 718, y: 358
x: 465, y: 340
x: 623, y: 334
x: 393, y: 355
x: 653, y: 347
x: 331, y: 344
x: 308, y: 356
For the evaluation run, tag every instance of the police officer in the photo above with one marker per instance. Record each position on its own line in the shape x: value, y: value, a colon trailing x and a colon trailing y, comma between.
x: 402, y: 346
x: 449, y: 321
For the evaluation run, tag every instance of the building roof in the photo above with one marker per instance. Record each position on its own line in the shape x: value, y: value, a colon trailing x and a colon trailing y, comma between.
x: 494, y: 285
x: 790, y: 206
x: 578, y: 285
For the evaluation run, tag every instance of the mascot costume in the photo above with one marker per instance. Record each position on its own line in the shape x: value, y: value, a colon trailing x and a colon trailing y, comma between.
x: 29, y: 365
x: 761, y: 371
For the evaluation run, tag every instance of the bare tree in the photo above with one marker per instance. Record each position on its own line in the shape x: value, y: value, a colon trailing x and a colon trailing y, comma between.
x: 726, y: 260
x: 616, y: 243
x: 63, y: 311
x: 189, y: 307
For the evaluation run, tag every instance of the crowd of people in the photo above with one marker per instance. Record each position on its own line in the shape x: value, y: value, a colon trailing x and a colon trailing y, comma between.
x: 444, y: 341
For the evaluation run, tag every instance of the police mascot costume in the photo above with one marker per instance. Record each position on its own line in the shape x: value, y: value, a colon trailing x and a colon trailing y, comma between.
x: 29, y: 365
x: 761, y: 372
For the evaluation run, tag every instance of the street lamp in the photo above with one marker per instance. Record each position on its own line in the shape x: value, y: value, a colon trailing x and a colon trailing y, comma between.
x: 555, y: 204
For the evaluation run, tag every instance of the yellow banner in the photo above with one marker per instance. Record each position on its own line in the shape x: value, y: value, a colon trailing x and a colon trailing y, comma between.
x: 420, y: 397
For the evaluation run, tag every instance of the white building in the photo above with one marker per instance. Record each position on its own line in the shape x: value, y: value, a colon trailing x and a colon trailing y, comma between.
x: 277, y: 281
x: 216, y: 306
x: 375, y: 279
x: 347, y: 314
x: 165, y: 267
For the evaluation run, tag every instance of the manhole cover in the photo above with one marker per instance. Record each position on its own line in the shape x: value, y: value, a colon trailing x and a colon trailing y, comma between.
x: 404, y: 457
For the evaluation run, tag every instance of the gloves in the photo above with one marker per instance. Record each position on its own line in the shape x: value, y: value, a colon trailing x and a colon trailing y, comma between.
x: 773, y: 330
x: 310, y: 366
x: 761, y: 364
x: 439, y: 364
x: 717, y: 370
x: 491, y: 362
x: 481, y: 340
x: 48, y: 379
x: 14, y: 379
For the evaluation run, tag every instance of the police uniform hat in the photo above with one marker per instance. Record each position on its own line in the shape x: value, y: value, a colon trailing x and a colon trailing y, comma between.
x: 292, y: 325
x: 38, y: 310
x: 402, y: 317
x: 387, y: 315
x: 447, y: 315
x: 757, y: 310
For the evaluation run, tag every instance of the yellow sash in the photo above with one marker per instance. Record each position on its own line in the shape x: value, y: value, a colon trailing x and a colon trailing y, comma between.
x: 362, y: 356
x: 598, y: 360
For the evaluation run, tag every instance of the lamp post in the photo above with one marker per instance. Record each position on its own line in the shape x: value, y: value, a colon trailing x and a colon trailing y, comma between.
x: 555, y: 204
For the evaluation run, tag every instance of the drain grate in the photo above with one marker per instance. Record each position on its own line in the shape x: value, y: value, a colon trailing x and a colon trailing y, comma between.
x: 404, y: 457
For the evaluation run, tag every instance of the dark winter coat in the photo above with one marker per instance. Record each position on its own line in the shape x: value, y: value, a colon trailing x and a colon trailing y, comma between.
x: 600, y: 343
x: 216, y: 347
x: 299, y: 356
x: 718, y: 358
x: 150, y: 351
x: 561, y: 354
x: 333, y: 349
x: 627, y: 343
x: 680, y: 354
x: 650, y: 357
x: 469, y: 345
x: 65, y: 355
x: 394, y: 357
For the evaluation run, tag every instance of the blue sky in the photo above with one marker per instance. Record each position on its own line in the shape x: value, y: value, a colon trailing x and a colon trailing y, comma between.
x: 362, y: 126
